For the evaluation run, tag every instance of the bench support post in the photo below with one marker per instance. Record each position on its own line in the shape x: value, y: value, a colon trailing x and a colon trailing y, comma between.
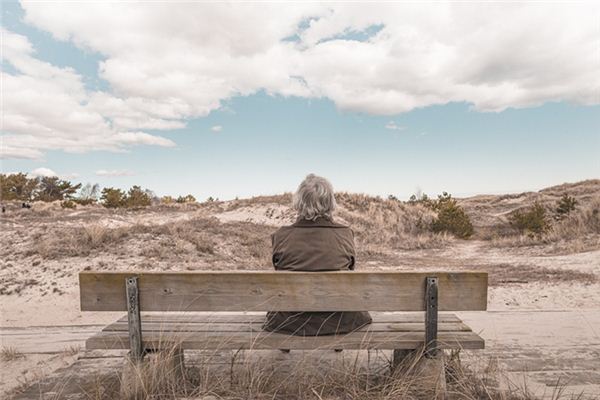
x: 431, y: 316
x: 134, y: 319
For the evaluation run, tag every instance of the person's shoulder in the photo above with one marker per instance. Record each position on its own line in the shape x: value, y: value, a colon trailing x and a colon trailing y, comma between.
x: 344, y: 230
x: 282, y: 231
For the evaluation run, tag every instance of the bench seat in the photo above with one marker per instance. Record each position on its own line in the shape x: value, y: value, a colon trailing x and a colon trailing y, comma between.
x: 234, y: 331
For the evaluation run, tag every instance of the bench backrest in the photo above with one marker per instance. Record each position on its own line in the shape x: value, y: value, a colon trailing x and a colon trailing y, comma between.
x: 283, y: 291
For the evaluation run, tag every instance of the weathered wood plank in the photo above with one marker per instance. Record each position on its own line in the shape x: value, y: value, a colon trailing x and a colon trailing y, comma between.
x: 134, y: 321
x: 244, y: 318
x: 268, y: 340
x: 257, y: 327
x: 283, y: 291
x: 431, y: 316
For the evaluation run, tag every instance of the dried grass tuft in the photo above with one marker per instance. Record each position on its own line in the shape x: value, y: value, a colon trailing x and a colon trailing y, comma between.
x: 9, y: 353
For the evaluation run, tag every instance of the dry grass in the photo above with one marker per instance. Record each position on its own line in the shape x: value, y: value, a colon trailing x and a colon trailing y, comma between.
x: 379, y: 226
x: 377, y: 223
x: 9, y: 353
x: 198, y: 238
x: 311, y: 377
x: 71, y: 351
x: 390, y: 224
x: 578, y: 231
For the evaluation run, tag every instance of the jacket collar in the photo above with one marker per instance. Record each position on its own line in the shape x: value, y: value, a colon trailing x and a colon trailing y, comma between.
x: 317, y: 223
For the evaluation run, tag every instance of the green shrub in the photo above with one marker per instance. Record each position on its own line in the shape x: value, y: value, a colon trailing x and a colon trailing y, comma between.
x: 113, y: 198
x: 52, y: 188
x: 17, y: 187
x: 531, y: 221
x: 564, y: 206
x: 167, y: 200
x: 186, y: 199
x: 450, y: 217
x: 136, y: 197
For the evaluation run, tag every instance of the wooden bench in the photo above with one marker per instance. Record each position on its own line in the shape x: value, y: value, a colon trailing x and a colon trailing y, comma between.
x: 391, y: 297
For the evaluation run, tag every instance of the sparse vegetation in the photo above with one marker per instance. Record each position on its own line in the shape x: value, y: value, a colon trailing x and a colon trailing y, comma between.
x: 309, y: 377
x: 532, y: 221
x: 381, y: 224
x: 196, y: 237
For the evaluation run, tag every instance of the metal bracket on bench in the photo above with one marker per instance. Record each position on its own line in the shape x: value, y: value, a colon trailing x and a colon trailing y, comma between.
x: 134, y: 319
x: 431, y: 316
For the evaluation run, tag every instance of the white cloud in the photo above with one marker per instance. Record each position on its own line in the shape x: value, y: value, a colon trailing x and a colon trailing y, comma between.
x: 394, y: 127
x: 47, y: 172
x: 216, y: 128
x: 49, y: 109
x: 168, y: 63
x: 43, y: 172
x: 103, y: 172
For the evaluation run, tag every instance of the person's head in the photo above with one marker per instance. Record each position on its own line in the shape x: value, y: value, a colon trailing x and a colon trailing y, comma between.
x: 314, y: 198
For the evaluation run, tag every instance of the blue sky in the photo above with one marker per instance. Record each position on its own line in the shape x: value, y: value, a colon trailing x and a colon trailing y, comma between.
x: 264, y: 135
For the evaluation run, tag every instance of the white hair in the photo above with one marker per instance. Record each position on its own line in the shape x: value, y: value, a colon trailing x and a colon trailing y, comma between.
x: 314, y: 198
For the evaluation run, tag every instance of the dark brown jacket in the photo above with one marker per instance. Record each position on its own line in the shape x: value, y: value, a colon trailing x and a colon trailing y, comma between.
x: 319, y: 245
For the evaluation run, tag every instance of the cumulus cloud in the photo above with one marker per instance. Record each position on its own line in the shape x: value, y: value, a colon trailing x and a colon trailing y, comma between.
x: 104, y: 172
x: 47, y: 172
x: 43, y: 172
x: 47, y: 108
x: 167, y: 63
x: 216, y: 128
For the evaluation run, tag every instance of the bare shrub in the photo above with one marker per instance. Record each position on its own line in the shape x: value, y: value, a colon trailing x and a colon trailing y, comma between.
x: 74, y: 242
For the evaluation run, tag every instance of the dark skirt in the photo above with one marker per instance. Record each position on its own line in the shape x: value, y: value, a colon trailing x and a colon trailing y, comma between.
x: 316, y: 323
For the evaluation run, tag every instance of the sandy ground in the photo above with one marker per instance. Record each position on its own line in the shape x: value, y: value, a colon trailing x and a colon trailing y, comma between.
x: 546, y: 331
x: 542, y: 325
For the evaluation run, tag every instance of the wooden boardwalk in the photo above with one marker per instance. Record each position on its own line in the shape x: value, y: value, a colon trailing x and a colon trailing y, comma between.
x: 541, y: 347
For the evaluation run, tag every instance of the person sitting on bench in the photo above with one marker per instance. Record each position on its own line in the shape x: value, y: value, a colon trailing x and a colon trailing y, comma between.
x: 314, y: 243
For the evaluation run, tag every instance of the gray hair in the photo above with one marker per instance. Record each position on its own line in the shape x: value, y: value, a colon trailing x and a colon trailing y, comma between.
x: 314, y: 198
